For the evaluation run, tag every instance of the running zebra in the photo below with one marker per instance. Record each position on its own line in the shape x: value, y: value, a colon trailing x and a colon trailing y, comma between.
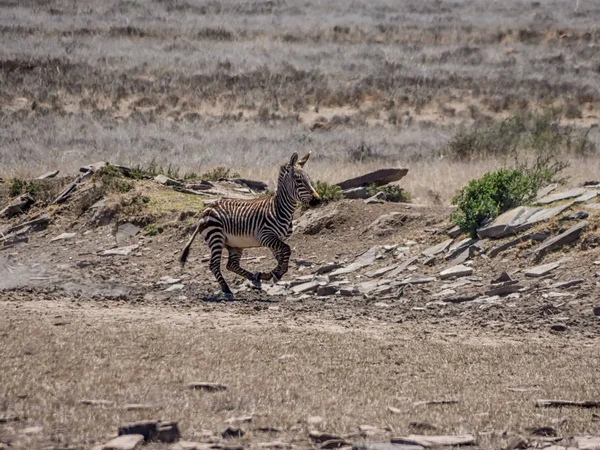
x: 260, y: 222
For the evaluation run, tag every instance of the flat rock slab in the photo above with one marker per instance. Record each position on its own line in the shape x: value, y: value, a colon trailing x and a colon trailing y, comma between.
x: 378, y: 178
x: 540, y: 271
x: 590, y: 194
x: 417, y: 279
x: 434, y: 441
x: 63, y: 236
x: 47, y: 175
x: 402, y: 267
x: 364, y: 260
x: 567, y: 403
x: 546, y: 190
x: 126, y: 231
x: 571, y: 193
x: 565, y: 238
x: 206, y: 386
x: 437, y: 249
x: 122, y: 251
x: 587, y: 442
x: 163, y: 179
x: 456, y: 271
x: 384, y: 446
x: 127, y: 442
x: 519, y: 219
x: 311, y: 286
x: 359, y: 193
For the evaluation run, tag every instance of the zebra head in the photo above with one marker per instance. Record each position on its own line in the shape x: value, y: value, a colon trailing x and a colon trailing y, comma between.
x: 297, y: 182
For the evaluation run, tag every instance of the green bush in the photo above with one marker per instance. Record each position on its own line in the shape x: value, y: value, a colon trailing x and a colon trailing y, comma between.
x: 491, y: 195
x: 328, y: 192
x: 393, y: 193
x: 16, y: 187
x: 217, y: 173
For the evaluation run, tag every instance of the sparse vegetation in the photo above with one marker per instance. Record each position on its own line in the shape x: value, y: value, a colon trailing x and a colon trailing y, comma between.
x: 328, y: 192
x: 153, y: 229
x: 393, y: 193
x: 16, y: 187
x: 218, y: 173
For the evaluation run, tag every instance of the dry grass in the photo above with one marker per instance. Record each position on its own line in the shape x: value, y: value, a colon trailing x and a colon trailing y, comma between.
x: 281, y: 372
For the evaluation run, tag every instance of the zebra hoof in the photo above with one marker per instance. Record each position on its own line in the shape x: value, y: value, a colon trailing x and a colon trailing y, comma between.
x: 256, y: 280
x: 275, y: 278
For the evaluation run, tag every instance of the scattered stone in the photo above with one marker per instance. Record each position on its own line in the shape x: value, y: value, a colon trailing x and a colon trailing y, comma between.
x: 175, y: 287
x: 571, y: 193
x: 335, y: 443
x: 139, y: 407
x: 97, y: 402
x: 460, y: 247
x: 566, y: 284
x: 11, y: 418
x: 540, y: 271
x: 462, y: 257
x: 327, y: 268
x: 168, y: 280
x: 167, y: 432
x: 128, y: 442
x: 122, y: 251
x: 324, y: 291
x: 417, y: 279
x: 507, y: 288
x: 126, y: 231
x: 63, y: 236
x: 232, y: 433
x: 435, y: 402
x: 389, y: 223
x: 363, y: 260
x: 403, y: 266
x: 349, y: 291
x: 456, y: 272
x: 566, y: 403
x: 384, y: 446
x: 315, y: 420
x: 434, y: 441
x: 378, y: 178
x: 587, y: 196
x: 565, y: 238
x: 47, y: 175
x: 377, y: 198
x: 188, y: 445
x: 379, y: 272
x: 543, y: 431
x: 587, y: 442
x: 163, y: 179
x: 502, y: 278
x: 252, y: 184
x: 18, y: 206
x: 461, y: 299
x: 311, y: 286
x: 437, y: 249
x: 275, y: 445
x: 68, y: 191
x: 454, y: 232
x: 517, y: 443
x: 503, y: 247
x: 204, y: 386
x: 358, y: 193
x: 321, y: 436
x: 559, y: 327
x: 32, y: 430
x: 546, y: 190
x: 595, y: 417
x: 370, y: 430
x: 597, y: 311
x: 394, y: 410
x: 146, y: 429
x: 579, y: 215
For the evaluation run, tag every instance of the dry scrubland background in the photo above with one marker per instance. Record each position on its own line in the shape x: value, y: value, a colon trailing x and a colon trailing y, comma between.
x: 239, y: 83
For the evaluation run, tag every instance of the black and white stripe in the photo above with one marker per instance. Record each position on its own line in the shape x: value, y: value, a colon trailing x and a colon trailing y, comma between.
x: 261, y: 222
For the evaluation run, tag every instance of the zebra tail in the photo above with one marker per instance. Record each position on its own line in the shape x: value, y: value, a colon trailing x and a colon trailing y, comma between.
x: 186, y: 250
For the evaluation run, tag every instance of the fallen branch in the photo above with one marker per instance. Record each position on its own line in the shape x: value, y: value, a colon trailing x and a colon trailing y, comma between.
x: 566, y: 403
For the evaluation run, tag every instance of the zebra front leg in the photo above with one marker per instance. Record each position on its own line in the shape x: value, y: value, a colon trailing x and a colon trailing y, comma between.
x: 216, y: 243
x: 233, y: 265
x: 281, y: 252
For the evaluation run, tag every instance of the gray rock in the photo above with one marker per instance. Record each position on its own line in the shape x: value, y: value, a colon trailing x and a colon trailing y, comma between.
x: 377, y: 198
x: 167, y: 432
x: 558, y: 327
x: 63, y: 236
x: 311, y: 286
x: 587, y: 196
x: 587, y: 442
x: 232, y: 433
x: 596, y: 311
x: 378, y: 178
x: 502, y: 278
x: 47, y: 175
x: 507, y: 245
x: 175, y: 287
x: 358, y: 193
x: 566, y: 284
x: 327, y: 268
x: 459, y: 247
x: 434, y: 441
x: 456, y: 271
x: 517, y: 443
x: 579, y: 215
x: 417, y: 279
x: 454, y: 232
x: 540, y: 271
x: 384, y: 446
x: 324, y: 291
x: 437, y: 249
x: 571, y: 193
x: 147, y: 429
x: 504, y: 289
x: 126, y: 231
x: 363, y: 260
x: 18, y: 206
x: 128, y: 442
x: 402, y: 267
x: 206, y: 386
x: 546, y: 190
x: 565, y: 238
x: 315, y: 220
x: 122, y: 251
x: 163, y: 179
x: 168, y: 280
x: 349, y: 291
x: 379, y: 272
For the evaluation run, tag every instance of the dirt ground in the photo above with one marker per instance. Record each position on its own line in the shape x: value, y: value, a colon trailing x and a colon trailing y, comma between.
x: 80, y: 326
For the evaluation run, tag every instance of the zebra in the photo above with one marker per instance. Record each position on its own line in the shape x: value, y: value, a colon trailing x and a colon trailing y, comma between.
x: 260, y: 222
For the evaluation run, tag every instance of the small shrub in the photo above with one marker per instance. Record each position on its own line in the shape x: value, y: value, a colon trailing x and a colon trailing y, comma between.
x: 219, y: 172
x: 16, y: 187
x: 112, y: 180
x: 494, y: 193
x: 393, y: 193
x: 152, y: 230
x: 328, y: 192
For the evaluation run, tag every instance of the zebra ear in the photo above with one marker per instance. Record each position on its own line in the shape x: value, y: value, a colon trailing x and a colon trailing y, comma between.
x: 294, y: 159
x: 303, y: 160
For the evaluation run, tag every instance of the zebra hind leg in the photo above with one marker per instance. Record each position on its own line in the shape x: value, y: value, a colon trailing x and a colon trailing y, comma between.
x: 233, y: 265
x: 216, y: 243
x: 281, y: 252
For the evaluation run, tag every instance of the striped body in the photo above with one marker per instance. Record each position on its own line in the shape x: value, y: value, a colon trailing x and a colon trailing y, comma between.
x: 261, y: 222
